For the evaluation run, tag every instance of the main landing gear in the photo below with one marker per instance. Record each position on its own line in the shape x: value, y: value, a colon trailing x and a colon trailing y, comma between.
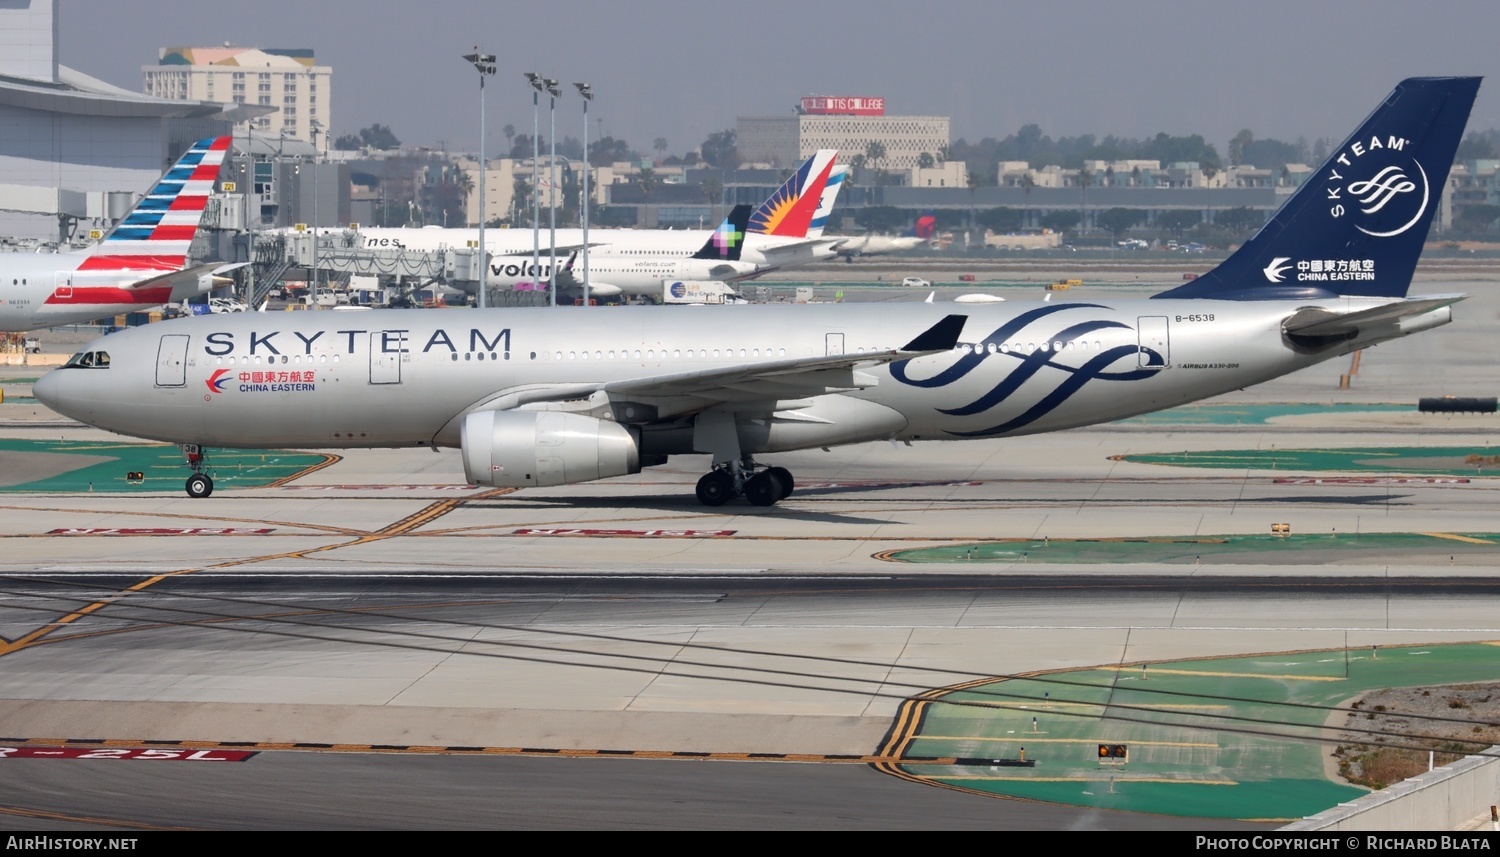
x: 200, y: 484
x: 762, y: 486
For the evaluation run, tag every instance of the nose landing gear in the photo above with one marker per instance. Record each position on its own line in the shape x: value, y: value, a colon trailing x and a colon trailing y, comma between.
x: 761, y: 486
x: 200, y: 484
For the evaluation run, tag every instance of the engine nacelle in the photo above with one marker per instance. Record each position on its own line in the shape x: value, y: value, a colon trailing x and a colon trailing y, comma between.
x: 524, y: 449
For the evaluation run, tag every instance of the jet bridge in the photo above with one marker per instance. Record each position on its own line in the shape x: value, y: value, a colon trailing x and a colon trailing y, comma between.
x: 341, y: 253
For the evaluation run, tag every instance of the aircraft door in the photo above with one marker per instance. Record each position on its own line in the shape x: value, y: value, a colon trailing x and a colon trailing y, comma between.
x: 835, y: 344
x: 386, y: 348
x: 171, y: 360
x: 64, y: 287
x: 1154, y: 341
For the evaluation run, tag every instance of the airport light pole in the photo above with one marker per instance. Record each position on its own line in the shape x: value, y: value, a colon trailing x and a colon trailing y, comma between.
x: 588, y: 95
x: 315, y: 127
x: 552, y: 91
x: 485, y: 63
x: 536, y: 200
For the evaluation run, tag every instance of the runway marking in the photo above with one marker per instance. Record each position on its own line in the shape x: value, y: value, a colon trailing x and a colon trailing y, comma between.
x: 161, y: 531
x: 1012, y: 739
x: 385, y: 487
x: 181, y: 754
x: 1457, y: 538
x: 1269, y: 676
x: 1102, y: 778
x: 301, y: 525
x: 401, y: 527
x: 329, y: 459
x: 628, y: 534
x: 1045, y: 706
x: 245, y: 750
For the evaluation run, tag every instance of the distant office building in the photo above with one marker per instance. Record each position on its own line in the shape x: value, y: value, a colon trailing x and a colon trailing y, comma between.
x: 76, y: 152
x: 288, y: 80
x: 849, y: 124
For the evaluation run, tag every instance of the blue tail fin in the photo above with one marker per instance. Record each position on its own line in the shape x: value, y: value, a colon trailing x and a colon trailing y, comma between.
x: 1357, y: 225
x: 728, y: 240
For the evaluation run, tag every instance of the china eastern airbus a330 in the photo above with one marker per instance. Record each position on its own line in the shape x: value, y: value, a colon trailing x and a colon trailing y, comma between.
x: 554, y: 396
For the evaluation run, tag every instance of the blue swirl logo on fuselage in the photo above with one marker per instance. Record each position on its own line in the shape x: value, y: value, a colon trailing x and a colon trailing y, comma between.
x: 1032, y: 363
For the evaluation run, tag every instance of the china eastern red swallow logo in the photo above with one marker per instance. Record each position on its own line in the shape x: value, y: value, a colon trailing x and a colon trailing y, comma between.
x: 217, y: 380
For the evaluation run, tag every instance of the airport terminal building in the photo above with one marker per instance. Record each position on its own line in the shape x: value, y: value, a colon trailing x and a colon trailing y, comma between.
x: 75, y: 152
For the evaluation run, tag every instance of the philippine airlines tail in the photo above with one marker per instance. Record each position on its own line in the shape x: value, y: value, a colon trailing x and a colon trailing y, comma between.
x: 790, y: 211
x: 1357, y: 225
x: 155, y: 235
x: 728, y: 239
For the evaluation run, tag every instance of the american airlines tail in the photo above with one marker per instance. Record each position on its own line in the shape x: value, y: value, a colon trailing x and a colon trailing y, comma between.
x: 155, y: 235
x: 138, y: 265
x: 791, y: 210
x: 1356, y: 227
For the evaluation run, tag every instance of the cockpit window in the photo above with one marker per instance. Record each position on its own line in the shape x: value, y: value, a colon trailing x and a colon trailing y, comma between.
x: 88, y: 360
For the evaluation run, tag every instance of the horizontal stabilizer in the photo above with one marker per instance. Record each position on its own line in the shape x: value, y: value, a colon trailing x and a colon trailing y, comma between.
x: 1320, y: 322
x: 197, y: 280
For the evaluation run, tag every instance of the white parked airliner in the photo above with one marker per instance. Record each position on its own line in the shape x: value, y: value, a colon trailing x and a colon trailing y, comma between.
x: 553, y: 396
x: 139, y: 265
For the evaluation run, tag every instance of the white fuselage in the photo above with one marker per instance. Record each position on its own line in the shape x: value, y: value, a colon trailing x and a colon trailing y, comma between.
x: 40, y: 290
x: 394, y: 378
x: 620, y: 261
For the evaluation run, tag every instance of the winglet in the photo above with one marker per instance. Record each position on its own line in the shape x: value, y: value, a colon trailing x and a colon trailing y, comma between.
x: 940, y: 337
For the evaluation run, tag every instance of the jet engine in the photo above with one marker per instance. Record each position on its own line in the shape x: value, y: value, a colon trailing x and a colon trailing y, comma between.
x: 524, y: 449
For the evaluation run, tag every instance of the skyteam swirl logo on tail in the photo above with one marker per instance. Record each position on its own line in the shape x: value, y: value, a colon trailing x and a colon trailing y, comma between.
x: 1384, y: 193
x: 1030, y: 366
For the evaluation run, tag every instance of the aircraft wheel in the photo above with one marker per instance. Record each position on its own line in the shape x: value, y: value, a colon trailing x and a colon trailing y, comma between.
x: 785, y: 477
x: 715, y: 488
x: 199, y: 485
x: 764, y: 489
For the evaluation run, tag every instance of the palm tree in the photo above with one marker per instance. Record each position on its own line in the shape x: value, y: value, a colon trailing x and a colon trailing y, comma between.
x: 1028, y: 184
x: 464, y: 180
x: 646, y: 181
x: 713, y: 191
x: 660, y: 145
x: 520, y: 197
x: 875, y: 155
x: 510, y: 132
x: 856, y: 165
x: 1085, y: 178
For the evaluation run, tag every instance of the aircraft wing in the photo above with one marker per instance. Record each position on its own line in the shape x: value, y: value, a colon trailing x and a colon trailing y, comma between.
x: 546, y: 250
x: 200, y: 279
x: 1320, y: 322
x: 792, y: 248
x: 771, y: 384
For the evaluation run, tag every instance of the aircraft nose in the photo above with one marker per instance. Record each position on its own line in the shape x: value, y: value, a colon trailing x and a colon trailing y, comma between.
x: 48, y: 390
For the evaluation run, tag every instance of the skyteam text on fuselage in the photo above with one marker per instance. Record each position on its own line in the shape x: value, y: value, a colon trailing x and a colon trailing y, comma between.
x: 554, y: 396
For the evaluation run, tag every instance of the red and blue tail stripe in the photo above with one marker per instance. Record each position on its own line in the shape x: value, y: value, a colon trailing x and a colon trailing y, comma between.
x: 157, y: 232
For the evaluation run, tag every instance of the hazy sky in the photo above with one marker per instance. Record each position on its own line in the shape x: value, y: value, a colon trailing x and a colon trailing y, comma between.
x: 681, y: 70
